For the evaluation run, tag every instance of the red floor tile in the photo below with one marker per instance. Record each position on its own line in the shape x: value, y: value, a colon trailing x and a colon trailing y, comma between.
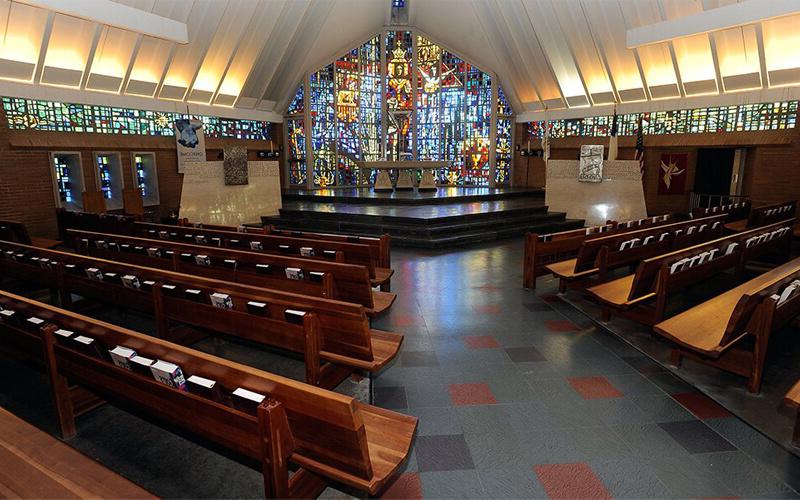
x: 487, y: 309
x: 701, y: 405
x: 406, y: 485
x: 570, y: 481
x: 481, y: 342
x: 471, y: 394
x: 560, y: 325
x: 401, y: 320
x: 594, y: 388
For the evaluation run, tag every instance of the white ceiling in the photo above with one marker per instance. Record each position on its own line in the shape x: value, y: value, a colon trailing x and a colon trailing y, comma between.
x: 251, y: 54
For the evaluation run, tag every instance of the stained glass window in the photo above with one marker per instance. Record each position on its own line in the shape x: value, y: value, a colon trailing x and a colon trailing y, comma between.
x: 298, y: 104
x: 62, y: 179
x: 399, y: 96
x: 104, y: 174
x: 505, y: 131
x: 737, y: 118
x: 23, y: 114
x: 141, y: 181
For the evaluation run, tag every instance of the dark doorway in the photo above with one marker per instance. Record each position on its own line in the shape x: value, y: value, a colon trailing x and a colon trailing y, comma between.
x: 714, y: 170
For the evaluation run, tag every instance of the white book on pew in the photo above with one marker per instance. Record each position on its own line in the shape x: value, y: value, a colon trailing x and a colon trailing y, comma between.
x: 703, y: 258
x: 169, y: 374
x: 702, y: 228
x: 663, y: 236
x: 256, y: 245
x: 691, y: 229
x: 714, y: 210
x: 131, y: 281
x: 749, y: 242
x: 762, y: 238
x: 635, y: 242
x: 624, y: 245
x: 678, y: 232
x: 63, y: 334
x: 201, y: 239
x: 122, y: 356
x: 715, y: 225
x: 648, y: 240
x: 154, y: 252
x: 731, y: 248
x: 294, y: 273
x: 695, y: 260
x: 221, y: 300
x: 654, y: 219
x: 676, y: 265
x: 787, y: 292
x: 307, y: 251
x: 247, y: 401
x: 588, y: 232
x: 204, y: 387
x: 202, y: 260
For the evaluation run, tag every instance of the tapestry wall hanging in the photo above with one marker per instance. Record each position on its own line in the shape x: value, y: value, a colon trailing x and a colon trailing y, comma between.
x: 672, y: 173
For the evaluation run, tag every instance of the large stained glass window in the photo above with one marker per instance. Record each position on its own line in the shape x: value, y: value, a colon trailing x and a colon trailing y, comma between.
x: 23, y: 114
x: 62, y: 179
x: 738, y: 118
x: 296, y: 139
x: 104, y: 174
x: 399, y: 96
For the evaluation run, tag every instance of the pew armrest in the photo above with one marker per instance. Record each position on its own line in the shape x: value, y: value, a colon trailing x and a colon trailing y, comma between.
x: 792, y: 398
x: 566, y: 270
x: 381, y: 301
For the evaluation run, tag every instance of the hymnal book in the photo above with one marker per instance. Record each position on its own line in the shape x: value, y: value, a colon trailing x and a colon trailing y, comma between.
x: 169, y: 289
x: 151, y: 232
x: 635, y: 242
x: 131, y: 281
x: 72, y: 268
x: 678, y: 232
x: 702, y: 228
x: 648, y: 240
x: 169, y: 374
x: 230, y: 264
x: 204, y: 387
x: 330, y: 254
x: 188, y: 236
x: 316, y: 276
x: 257, y: 308
x: 63, y: 335
x: 262, y: 268
x: 125, y: 247
x: 33, y: 323
x: 202, y: 260
x: 691, y: 229
x: 45, y: 264
x: 186, y: 257
x: 240, y: 229
x: 88, y: 346
x: 168, y: 254
x: 299, y: 234
x: 121, y: 356
x: 306, y: 251
x: 712, y: 253
x: 256, y: 245
x: 141, y: 250
x: 217, y: 241
x: 294, y: 316
x: 714, y: 209
x: 141, y: 365
x: 112, y: 277
x: 787, y: 292
x: 294, y: 273
x: 34, y: 260
x: 19, y: 256
x: 624, y: 245
x: 703, y: 257
x: 588, y: 232
x: 247, y: 401
x: 694, y: 260
x: 8, y: 316
x: 676, y: 265
x: 715, y: 225
x: 284, y: 248
x: 197, y: 225
x: 201, y: 239
x: 94, y: 273
x: 731, y: 248
x: 154, y: 252
x: 193, y: 294
x: 163, y: 235
x: 236, y: 243
x: 173, y: 235
x: 221, y: 300
x: 148, y: 284
x: 112, y: 246
x: 9, y: 254
x: 353, y: 239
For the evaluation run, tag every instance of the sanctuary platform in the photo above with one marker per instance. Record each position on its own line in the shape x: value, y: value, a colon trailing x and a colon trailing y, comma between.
x: 450, y: 216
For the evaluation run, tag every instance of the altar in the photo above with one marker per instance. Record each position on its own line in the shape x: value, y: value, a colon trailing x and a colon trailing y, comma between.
x: 405, y: 177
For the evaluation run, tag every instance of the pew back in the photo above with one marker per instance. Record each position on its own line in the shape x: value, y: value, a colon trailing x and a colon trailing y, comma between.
x: 734, y: 211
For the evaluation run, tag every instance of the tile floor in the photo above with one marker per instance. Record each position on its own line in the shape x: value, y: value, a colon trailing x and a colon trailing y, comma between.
x: 517, y: 395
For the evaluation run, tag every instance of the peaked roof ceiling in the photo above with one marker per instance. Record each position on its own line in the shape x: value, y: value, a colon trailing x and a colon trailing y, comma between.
x: 251, y: 54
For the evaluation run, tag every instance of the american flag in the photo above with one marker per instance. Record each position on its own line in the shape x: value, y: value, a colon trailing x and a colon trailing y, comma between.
x: 639, y: 155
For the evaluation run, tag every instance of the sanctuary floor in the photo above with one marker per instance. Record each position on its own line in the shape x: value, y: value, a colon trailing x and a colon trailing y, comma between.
x: 518, y: 395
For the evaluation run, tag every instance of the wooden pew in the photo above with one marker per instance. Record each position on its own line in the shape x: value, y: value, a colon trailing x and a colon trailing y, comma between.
x: 328, y: 437
x: 766, y: 214
x: 17, y: 231
x: 99, y: 223
x: 643, y: 296
x: 345, y: 282
x: 381, y: 245
x: 350, y: 253
x: 792, y: 400
x: 37, y: 465
x: 734, y: 211
x: 335, y: 337
x: 597, y: 256
x: 717, y: 331
x: 543, y: 249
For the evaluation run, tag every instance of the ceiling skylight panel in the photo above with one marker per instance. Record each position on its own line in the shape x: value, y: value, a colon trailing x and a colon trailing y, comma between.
x: 19, y: 48
x: 739, y: 63
x: 782, y: 50
x: 111, y: 59
x: 67, y: 51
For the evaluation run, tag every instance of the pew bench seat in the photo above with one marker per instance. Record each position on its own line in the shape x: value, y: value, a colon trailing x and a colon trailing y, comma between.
x: 616, y: 293
x: 792, y: 400
x: 37, y: 465
x: 389, y: 435
x: 385, y: 347
x: 46, y: 243
x: 566, y: 270
x: 737, y: 226
x: 382, y: 276
x: 381, y: 302
x: 702, y: 328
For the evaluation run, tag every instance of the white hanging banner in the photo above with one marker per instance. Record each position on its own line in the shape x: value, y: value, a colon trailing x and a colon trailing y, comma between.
x: 190, y: 141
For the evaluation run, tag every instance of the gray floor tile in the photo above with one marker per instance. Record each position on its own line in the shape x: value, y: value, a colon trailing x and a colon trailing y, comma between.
x: 443, y: 453
x: 451, y: 484
x: 696, y: 436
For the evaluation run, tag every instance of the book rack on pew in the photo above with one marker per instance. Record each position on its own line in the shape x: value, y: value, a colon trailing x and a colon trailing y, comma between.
x: 597, y: 256
x: 335, y: 280
x: 334, y: 337
x: 277, y: 423
x: 642, y: 296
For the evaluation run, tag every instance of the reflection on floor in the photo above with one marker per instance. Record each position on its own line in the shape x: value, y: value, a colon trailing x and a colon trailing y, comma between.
x: 518, y: 396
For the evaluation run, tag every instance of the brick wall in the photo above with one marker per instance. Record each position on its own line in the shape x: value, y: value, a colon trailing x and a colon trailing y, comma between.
x: 772, y: 164
x: 26, y: 185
